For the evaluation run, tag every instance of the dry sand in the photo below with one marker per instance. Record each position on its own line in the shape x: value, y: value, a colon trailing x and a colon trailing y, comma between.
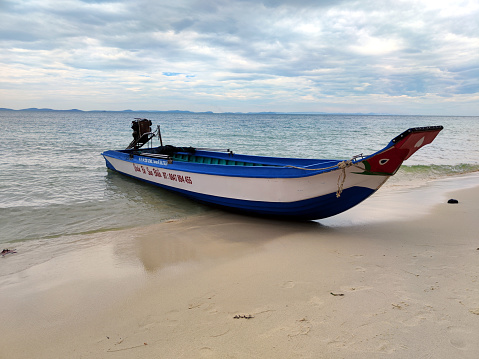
x: 228, y: 286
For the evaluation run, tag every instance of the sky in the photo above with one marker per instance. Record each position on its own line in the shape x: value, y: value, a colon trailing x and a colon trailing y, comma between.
x: 418, y: 57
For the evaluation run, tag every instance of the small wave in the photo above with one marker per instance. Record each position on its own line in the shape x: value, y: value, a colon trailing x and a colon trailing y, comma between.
x: 435, y: 171
x: 416, y: 175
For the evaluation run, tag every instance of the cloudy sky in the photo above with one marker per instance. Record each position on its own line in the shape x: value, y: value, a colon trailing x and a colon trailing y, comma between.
x: 382, y: 56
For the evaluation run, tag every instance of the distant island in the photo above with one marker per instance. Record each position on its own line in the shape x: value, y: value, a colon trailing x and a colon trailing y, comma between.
x: 76, y: 110
x: 34, y: 109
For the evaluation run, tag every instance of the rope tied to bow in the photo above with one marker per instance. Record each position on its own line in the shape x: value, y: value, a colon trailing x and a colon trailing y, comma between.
x: 342, y: 175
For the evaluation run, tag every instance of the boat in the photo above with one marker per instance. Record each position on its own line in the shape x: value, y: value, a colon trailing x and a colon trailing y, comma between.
x: 292, y: 188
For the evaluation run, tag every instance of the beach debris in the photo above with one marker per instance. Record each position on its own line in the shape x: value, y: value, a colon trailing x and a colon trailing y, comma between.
x: 119, y: 350
x: 414, y: 274
x: 400, y: 305
x: 337, y: 294
x: 265, y: 311
x: 8, y: 251
x: 219, y: 335
x: 239, y: 316
x: 452, y: 200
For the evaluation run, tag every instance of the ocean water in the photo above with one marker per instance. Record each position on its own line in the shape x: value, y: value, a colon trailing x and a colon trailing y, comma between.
x: 54, y: 184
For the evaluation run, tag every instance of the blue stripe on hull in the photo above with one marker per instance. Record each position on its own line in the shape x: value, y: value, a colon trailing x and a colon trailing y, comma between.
x: 313, y: 208
x: 309, y: 209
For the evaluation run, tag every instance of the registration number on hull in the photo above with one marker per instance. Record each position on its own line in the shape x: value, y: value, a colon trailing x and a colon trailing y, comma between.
x: 155, y: 172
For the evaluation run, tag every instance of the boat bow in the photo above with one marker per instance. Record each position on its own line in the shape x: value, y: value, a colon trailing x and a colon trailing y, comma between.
x: 389, y: 159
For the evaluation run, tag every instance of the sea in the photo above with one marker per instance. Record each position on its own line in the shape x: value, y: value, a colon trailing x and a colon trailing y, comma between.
x: 54, y: 185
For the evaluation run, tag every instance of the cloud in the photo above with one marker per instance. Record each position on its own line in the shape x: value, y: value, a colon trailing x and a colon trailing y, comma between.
x: 282, y: 55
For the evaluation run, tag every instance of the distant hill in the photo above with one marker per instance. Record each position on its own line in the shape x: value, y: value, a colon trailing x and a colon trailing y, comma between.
x: 41, y: 109
x: 33, y: 109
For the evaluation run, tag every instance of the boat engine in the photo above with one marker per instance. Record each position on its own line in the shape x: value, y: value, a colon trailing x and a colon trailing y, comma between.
x: 140, y: 126
x: 141, y: 132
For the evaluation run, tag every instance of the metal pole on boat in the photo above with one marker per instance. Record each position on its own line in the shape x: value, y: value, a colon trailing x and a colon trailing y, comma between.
x: 159, y: 136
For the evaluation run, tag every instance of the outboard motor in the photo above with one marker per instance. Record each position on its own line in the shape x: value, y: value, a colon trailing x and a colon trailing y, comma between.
x: 140, y: 126
x: 141, y: 132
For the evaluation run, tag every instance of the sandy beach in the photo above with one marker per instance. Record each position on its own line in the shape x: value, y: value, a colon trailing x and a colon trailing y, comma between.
x: 228, y: 286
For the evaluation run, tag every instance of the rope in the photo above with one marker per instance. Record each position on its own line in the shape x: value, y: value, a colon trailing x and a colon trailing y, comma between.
x: 314, y: 169
x: 342, y: 174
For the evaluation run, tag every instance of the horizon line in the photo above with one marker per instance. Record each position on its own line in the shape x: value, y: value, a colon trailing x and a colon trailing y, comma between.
x: 33, y: 109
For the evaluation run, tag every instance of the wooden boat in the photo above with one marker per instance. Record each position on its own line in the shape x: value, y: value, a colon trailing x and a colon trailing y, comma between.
x: 293, y: 188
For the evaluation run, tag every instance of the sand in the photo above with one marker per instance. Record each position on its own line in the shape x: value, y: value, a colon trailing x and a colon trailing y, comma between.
x: 229, y: 286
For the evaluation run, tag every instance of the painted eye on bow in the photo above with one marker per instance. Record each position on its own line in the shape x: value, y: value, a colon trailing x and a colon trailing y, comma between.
x: 383, y: 161
x: 419, y: 143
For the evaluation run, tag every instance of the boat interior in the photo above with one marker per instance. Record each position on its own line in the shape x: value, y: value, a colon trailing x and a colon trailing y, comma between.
x: 224, y: 157
x: 189, y: 154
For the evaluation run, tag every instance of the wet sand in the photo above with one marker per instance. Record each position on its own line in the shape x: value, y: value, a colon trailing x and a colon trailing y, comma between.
x: 230, y: 286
